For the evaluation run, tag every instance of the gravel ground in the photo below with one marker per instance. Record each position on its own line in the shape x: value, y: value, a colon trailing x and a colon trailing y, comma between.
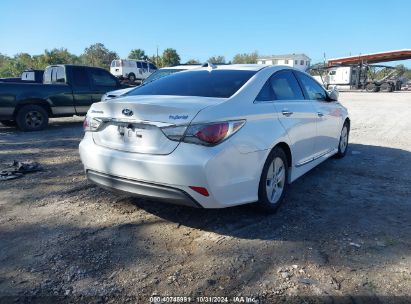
x: 342, y: 236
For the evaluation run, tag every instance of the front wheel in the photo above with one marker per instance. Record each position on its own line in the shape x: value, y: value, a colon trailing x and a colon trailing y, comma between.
x: 273, y: 181
x: 343, y: 143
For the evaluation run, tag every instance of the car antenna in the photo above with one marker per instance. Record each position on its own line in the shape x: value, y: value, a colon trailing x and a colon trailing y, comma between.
x: 210, y: 66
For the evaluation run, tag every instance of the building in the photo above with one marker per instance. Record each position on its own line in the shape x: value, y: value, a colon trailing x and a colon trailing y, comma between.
x: 299, y: 61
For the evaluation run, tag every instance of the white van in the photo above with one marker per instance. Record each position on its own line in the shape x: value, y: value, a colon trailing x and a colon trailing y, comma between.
x: 132, y: 69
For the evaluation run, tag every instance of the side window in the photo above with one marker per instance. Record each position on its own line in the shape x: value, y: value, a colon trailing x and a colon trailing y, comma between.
x: 102, y: 78
x: 314, y: 90
x: 152, y: 66
x: 139, y: 66
x: 80, y: 77
x: 266, y: 93
x: 145, y: 66
x: 60, y: 75
x: 285, y: 86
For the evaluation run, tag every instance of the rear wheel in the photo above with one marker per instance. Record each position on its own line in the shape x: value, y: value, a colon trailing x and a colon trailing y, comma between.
x: 32, y: 118
x: 273, y: 181
x: 343, y: 143
x: 8, y: 123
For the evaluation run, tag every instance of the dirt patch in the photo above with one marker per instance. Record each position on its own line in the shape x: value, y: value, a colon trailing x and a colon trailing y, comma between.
x: 343, y: 235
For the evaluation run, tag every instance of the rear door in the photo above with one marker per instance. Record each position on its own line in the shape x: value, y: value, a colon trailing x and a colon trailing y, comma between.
x: 139, y: 74
x: 82, y: 92
x: 329, y: 117
x: 296, y: 114
x: 145, y: 70
x: 101, y: 82
x: 58, y: 91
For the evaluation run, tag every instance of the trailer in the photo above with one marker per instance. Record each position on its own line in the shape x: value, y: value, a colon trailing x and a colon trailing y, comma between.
x: 361, y: 72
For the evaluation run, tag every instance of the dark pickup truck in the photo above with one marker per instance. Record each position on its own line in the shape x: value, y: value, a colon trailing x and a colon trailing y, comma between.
x: 66, y: 90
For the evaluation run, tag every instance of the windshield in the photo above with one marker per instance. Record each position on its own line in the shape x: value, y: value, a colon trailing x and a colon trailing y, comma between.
x: 204, y: 83
x: 161, y: 73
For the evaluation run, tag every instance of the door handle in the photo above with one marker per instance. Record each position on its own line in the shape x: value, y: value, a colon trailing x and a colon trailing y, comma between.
x: 287, y: 113
x: 320, y: 114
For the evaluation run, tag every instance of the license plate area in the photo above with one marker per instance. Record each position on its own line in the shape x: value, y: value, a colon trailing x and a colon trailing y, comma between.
x: 133, y: 137
x: 130, y: 131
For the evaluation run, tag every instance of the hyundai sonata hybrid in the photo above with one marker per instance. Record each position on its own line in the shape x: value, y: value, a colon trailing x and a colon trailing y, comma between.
x: 215, y: 137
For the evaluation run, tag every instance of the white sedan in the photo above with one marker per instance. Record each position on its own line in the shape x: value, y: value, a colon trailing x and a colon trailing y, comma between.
x: 215, y: 137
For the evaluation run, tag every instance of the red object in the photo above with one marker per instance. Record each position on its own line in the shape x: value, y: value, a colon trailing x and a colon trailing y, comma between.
x: 213, y: 133
x: 372, y: 58
x: 201, y: 190
x: 85, y: 123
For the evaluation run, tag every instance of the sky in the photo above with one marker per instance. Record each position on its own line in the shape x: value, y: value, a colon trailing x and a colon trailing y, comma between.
x: 199, y: 29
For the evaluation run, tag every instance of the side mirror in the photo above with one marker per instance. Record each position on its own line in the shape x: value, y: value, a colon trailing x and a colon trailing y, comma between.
x: 333, y: 94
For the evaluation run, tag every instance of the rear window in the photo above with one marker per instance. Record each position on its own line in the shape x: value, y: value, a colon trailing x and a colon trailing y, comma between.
x: 115, y: 63
x: 215, y: 83
x: 161, y: 73
x: 55, y: 74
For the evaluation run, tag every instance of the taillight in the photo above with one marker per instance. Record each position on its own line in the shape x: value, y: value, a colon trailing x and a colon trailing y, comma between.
x: 212, y: 133
x: 208, y: 134
x: 91, y: 124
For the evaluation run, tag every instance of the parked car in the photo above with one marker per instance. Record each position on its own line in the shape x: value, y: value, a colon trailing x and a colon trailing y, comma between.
x: 156, y: 75
x: 28, y: 76
x: 132, y: 69
x: 215, y: 137
x: 66, y: 90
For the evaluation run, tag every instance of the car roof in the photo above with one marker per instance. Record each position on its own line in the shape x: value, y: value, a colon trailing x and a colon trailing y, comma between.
x: 183, y: 66
x: 244, y: 67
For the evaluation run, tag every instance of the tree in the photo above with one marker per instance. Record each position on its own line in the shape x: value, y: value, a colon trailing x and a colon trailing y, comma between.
x: 170, y: 57
x: 216, y: 59
x: 193, y: 61
x: 98, y: 55
x: 246, y: 58
x: 138, y: 54
x: 58, y: 56
x: 401, y: 69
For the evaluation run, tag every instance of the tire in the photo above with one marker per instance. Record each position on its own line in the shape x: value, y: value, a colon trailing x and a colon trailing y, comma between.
x: 131, y: 77
x: 8, y: 123
x: 385, y: 87
x: 271, y: 193
x: 32, y: 118
x: 371, y: 87
x: 343, y: 143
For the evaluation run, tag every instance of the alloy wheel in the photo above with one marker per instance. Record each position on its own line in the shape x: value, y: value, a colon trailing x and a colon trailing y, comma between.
x: 275, y: 180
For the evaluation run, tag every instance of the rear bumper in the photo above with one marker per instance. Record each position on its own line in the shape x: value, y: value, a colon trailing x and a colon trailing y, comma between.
x: 230, y: 177
x: 142, y: 189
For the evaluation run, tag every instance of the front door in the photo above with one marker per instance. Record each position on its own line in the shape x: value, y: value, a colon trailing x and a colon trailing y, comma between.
x: 328, y: 116
x: 101, y: 83
x: 296, y: 114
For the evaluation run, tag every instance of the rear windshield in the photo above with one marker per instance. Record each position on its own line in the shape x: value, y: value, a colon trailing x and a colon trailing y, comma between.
x: 161, y: 73
x: 215, y: 83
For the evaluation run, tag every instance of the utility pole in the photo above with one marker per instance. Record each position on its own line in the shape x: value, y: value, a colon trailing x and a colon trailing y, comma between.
x: 157, y: 57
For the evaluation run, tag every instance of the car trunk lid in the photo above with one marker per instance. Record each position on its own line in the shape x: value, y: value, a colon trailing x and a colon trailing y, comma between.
x: 133, y: 123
